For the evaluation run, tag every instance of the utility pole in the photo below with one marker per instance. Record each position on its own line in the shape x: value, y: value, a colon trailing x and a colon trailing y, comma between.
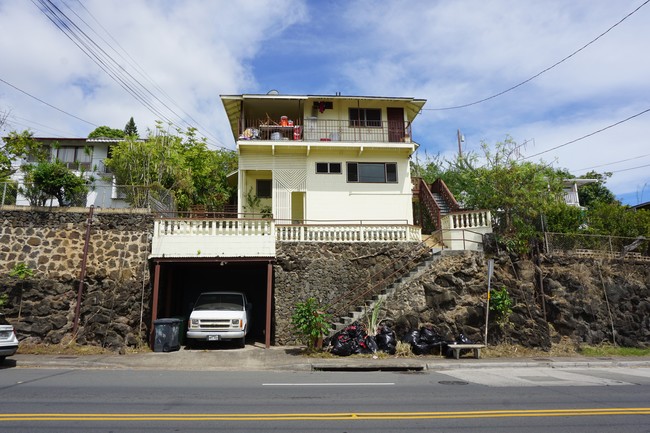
x: 461, y: 139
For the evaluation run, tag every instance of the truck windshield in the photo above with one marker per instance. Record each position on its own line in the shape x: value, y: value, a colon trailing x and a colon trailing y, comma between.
x: 220, y: 301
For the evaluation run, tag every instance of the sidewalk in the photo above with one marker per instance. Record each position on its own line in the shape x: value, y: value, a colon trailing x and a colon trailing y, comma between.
x: 282, y: 358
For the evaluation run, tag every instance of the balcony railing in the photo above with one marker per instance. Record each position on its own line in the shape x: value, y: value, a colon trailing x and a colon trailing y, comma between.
x: 348, y: 233
x: 312, y: 129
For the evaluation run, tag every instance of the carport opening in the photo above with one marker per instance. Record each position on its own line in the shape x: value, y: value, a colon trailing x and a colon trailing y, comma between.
x: 182, y: 282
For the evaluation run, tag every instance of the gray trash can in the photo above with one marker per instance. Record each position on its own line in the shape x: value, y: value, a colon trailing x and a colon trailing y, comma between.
x: 166, y: 335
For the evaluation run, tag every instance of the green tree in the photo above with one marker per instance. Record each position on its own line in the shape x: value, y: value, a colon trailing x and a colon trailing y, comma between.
x: 106, y: 132
x: 595, y: 192
x: 19, y: 145
x: 130, y: 129
x: 172, y: 163
x: 47, y: 180
x: 516, y: 192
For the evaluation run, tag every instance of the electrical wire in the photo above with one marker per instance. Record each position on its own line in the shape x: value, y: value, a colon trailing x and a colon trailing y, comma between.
x: 612, y: 163
x: 48, y: 104
x: 588, y: 135
x: 115, y: 70
x: 129, y: 59
x: 503, y: 92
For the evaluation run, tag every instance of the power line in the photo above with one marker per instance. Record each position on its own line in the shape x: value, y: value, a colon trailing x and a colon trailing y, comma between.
x: 612, y: 163
x: 49, y: 105
x: 632, y: 168
x: 541, y: 72
x: 108, y: 64
x: 590, y: 134
x: 137, y: 67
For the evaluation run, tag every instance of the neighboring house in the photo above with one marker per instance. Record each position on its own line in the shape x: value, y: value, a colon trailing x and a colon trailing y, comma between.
x: 642, y: 206
x: 81, y: 155
x: 570, y: 190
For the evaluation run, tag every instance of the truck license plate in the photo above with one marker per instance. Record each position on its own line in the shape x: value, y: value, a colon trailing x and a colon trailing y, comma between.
x: 214, y: 337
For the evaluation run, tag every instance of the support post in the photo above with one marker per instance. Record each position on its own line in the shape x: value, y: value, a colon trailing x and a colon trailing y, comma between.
x: 82, y: 275
x: 269, y: 298
x: 154, y: 303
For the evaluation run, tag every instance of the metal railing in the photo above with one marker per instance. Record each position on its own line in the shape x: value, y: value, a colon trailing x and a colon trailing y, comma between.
x: 312, y: 129
x: 378, y: 281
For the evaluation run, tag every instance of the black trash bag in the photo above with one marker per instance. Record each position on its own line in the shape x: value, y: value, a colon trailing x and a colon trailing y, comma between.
x: 386, y: 340
x: 371, y: 344
x: 428, y: 335
x: 411, y: 337
x: 421, y: 348
x: 462, y: 339
x: 343, y: 346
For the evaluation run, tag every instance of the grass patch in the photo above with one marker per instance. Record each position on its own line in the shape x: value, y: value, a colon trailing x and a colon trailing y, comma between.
x: 609, y: 350
x: 61, y: 349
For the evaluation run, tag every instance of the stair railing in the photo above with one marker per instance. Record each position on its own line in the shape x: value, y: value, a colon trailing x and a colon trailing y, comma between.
x: 440, y: 187
x: 378, y: 281
x: 426, y: 199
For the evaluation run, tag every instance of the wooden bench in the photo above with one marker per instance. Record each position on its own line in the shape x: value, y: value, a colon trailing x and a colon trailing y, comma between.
x: 474, y: 347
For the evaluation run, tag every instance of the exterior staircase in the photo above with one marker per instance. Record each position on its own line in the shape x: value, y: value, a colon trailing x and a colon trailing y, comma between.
x: 435, y: 199
x: 361, y: 300
x: 361, y: 311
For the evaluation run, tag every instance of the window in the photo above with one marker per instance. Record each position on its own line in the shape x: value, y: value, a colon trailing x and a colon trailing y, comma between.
x: 365, y: 117
x: 328, y: 167
x: 74, y: 156
x: 372, y: 172
x: 264, y: 188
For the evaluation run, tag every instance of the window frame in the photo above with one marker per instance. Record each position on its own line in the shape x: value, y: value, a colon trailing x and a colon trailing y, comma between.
x: 329, y: 168
x: 389, y: 176
x: 358, y: 117
x: 257, y: 188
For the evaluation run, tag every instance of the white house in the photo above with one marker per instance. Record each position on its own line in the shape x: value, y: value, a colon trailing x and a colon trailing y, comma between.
x: 81, y: 155
x: 319, y: 159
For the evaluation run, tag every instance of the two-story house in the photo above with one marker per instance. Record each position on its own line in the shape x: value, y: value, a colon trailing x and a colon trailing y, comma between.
x: 325, y: 159
x: 81, y: 155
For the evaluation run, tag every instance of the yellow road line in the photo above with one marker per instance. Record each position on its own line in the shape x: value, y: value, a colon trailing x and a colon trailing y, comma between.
x: 323, y: 416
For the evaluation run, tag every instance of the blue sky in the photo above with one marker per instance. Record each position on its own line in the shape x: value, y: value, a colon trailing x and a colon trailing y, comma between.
x: 189, y: 52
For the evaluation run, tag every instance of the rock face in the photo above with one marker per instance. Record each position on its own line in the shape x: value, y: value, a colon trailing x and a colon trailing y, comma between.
x: 116, y: 293
x: 325, y: 271
x: 587, y: 300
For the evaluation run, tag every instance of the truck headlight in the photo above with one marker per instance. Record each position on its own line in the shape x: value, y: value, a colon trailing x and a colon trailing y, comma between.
x: 235, y: 321
x: 194, y: 323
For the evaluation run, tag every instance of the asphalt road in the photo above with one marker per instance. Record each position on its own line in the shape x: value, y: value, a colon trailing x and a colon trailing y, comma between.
x: 487, y: 400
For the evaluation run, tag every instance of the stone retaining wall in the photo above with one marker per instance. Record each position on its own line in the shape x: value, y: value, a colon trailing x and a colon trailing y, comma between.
x: 324, y: 271
x: 50, y: 242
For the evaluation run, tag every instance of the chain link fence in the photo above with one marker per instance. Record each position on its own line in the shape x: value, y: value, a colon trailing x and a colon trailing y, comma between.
x: 584, y: 245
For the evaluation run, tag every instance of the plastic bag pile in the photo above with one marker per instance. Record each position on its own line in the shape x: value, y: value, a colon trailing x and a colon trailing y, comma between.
x: 354, y: 339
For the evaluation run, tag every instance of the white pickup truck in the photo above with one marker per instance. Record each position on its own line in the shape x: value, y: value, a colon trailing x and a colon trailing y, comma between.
x: 219, y: 316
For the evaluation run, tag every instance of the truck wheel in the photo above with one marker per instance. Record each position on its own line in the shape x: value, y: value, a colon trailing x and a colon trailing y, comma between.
x: 241, y: 343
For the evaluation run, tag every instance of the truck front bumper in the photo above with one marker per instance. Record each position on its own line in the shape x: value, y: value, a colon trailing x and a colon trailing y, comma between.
x: 215, y: 335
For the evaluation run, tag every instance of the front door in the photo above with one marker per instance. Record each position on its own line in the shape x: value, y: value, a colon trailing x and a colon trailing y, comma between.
x: 396, y: 124
x: 297, y: 207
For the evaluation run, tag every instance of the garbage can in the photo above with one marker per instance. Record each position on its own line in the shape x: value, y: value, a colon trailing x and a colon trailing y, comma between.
x: 166, y: 335
x: 182, y: 329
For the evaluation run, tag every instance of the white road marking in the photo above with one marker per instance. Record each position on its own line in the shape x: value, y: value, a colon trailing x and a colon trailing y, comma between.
x: 332, y: 384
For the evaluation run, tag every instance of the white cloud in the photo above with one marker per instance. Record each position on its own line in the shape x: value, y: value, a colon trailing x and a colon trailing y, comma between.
x: 449, y: 53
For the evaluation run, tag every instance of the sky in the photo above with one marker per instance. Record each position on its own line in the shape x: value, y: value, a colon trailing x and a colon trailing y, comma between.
x: 579, y: 69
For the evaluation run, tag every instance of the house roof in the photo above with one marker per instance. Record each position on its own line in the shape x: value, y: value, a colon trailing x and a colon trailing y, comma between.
x: 645, y: 205
x: 578, y: 182
x: 233, y: 103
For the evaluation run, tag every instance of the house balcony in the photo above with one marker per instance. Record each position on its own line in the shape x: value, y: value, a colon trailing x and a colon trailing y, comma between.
x: 323, y: 131
x: 464, y: 230
x: 257, y: 237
